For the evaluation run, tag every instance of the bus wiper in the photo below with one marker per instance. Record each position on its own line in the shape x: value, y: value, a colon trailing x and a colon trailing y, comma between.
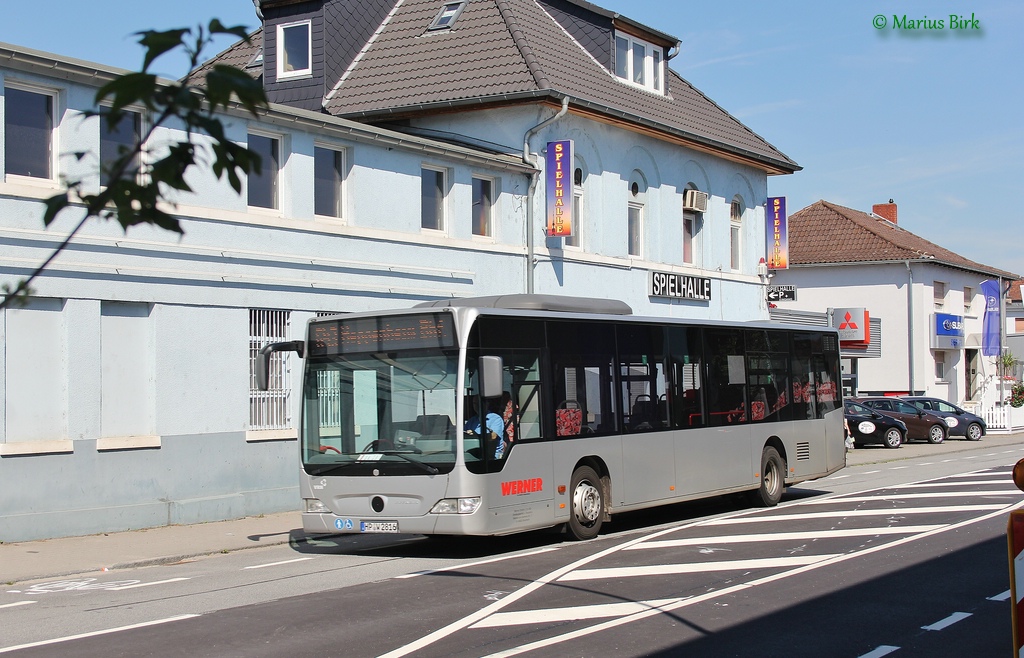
x: 405, y: 455
x: 329, y: 470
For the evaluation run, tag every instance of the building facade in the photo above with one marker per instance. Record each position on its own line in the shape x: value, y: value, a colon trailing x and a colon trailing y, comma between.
x: 127, y: 397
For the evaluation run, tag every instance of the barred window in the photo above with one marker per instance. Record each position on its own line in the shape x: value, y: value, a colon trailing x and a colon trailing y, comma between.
x: 269, y: 409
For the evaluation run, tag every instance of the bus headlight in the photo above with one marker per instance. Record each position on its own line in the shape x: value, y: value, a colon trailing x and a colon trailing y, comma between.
x: 314, y: 506
x: 456, y: 505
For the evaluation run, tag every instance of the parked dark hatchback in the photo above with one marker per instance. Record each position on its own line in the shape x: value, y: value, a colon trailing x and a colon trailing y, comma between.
x: 959, y: 421
x: 869, y: 426
x: 920, y: 424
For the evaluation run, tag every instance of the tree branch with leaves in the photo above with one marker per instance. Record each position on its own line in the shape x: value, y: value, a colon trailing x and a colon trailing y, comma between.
x: 136, y: 195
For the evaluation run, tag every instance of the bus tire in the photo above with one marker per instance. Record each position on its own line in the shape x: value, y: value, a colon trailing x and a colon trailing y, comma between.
x: 587, y: 513
x: 773, y: 479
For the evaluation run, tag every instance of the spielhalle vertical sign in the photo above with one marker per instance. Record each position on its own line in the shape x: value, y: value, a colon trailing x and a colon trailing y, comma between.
x: 559, y: 172
x: 777, y: 233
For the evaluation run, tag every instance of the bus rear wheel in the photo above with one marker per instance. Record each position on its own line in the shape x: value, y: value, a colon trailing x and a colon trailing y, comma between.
x: 587, y: 512
x: 773, y: 479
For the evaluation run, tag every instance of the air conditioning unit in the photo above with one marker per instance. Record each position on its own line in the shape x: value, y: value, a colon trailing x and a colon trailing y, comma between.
x: 695, y: 200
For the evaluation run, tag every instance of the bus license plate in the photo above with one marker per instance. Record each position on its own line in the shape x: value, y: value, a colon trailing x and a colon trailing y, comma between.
x: 378, y: 526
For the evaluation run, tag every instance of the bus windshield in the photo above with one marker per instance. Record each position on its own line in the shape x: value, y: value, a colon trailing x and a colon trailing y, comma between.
x: 380, y: 413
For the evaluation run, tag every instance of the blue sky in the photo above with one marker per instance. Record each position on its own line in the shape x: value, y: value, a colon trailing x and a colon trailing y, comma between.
x: 929, y: 118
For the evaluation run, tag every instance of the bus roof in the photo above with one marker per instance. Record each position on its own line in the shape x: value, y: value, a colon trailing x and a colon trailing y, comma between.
x: 525, y: 302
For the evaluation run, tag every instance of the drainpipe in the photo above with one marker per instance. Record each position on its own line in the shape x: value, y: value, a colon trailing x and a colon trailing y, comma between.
x: 529, y: 159
x: 910, y: 324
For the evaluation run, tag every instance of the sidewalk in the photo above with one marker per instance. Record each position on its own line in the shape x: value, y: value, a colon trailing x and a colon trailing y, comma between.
x: 53, y: 558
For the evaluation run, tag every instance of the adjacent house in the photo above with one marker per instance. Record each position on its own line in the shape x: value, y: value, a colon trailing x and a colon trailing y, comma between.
x: 910, y: 312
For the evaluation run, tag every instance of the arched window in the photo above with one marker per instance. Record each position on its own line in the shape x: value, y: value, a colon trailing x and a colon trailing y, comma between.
x: 736, y: 234
x: 635, y: 214
x: 691, y: 227
x: 579, y: 176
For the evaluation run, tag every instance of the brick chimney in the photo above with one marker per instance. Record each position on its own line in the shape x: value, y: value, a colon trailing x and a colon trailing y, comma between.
x: 885, y: 210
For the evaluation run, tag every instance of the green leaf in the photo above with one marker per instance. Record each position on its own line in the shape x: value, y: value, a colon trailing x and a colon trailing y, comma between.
x: 157, y: 43
x: 128, y: 89
x: 216, y: 27
x: 54, y: 205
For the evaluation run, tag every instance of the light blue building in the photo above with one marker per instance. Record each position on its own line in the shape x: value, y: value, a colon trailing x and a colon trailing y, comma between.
x: 408, y: 164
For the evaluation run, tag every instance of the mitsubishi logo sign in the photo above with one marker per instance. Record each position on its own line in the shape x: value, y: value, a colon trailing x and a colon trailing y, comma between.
x: 853, y: 325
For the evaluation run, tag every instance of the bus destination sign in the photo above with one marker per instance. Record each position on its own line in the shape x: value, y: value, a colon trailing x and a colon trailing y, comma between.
x: 680, y: 286
x: 381, y: 334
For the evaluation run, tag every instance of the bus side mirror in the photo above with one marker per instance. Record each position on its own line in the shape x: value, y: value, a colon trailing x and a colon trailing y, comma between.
x: 263, y: 360
x: 491, y: 368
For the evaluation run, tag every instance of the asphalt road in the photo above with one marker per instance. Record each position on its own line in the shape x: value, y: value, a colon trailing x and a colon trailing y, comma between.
x: 901, y: 556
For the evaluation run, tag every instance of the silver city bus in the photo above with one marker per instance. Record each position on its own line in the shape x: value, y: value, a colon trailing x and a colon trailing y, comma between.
x: 494, y: 415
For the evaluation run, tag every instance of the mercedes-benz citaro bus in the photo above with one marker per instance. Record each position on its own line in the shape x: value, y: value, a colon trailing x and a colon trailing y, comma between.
x: 495, y: 415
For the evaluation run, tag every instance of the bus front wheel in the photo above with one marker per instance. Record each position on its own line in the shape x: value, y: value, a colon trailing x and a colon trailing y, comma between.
x: 773, y: 479
x: 587, y: 504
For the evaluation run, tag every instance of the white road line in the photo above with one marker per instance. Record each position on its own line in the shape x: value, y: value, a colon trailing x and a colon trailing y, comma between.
x: 857, y: 512
x: 870, y: 472
x: 984, y: 473
x: 43, y: 643
x: 613, y: 623
x: 785, y: 536
x: 276, y: 564
x: 477, y: 563
x: 883, y: 650
x: 906, y: 496
x: 14, y: 605
x: 575, y: 613
x: 897, y: 468
x: 158, y: 582
x: 1005, y: 596
x: 970, y: 483
x: 948, y: 621
x: 838, y: 477
x: 694, y: 567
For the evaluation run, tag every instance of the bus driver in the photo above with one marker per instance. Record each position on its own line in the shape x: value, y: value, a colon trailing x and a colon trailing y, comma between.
x: 495, y: 426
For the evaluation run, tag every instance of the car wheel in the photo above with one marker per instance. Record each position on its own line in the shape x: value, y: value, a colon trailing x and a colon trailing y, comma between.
x: 773, y: 479
x: 974, y: 432
x: 936, y: 434
x: 893, y: 438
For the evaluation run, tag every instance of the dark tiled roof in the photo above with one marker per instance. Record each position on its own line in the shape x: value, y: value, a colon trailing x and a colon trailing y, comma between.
x: 239, y: 55
x: 826, y: 233
x: 502, y: 51
x: 501, y: 48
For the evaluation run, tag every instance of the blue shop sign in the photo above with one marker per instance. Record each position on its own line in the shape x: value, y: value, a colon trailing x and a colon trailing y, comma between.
x: 948, y: 331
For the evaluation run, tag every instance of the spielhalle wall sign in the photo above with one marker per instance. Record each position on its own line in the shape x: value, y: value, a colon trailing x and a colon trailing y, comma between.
x: 680, y: 286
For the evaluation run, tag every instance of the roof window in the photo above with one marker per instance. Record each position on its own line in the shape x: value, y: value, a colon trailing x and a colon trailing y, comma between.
x: 448, y: 15
x: 639, y: 63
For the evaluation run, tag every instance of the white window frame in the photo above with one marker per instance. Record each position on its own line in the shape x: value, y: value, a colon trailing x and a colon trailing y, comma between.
x: 940, y: 366
x: 55, y: 97
x: 638, y: 246
x: 939, y: 291
x: 491, y: 208
x: 278, y: 171
x: 574, y: 241
x: 653, y: 74
x: 968, y: 300
x: 736, y: 236
x: 692, y: 238
x: 296, y: 73
x: 342, y: 192
x: 143, y: 125
x: 442, y: 220
x: 270, y: 409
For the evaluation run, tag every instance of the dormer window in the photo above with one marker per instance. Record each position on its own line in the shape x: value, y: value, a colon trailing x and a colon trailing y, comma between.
x: 294, y: 50
x: 639, y: 62
x: 447, y: 16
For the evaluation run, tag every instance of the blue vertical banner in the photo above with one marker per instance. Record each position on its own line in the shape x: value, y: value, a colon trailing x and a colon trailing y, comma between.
x: 990, y: 333
x: 558, y: 181
x: 777, y: 230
